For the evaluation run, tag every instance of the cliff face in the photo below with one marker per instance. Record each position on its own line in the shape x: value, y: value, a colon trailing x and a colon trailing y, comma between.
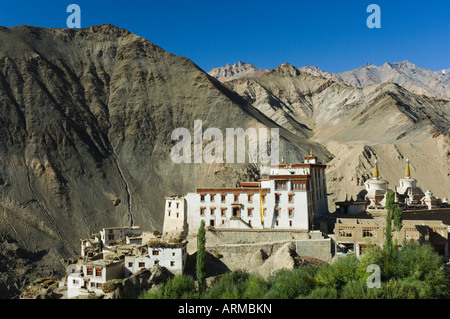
x: 86, y: 118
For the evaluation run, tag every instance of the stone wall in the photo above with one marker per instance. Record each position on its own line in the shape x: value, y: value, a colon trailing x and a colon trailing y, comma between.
x: 317, y: 248
x: 251, y: 236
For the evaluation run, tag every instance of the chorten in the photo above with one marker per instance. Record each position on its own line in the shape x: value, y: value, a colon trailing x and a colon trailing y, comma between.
x: 376, y: 187
x: 408, y: 189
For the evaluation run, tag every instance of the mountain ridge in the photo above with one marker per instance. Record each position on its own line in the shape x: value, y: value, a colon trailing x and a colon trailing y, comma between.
x: 405, y: 73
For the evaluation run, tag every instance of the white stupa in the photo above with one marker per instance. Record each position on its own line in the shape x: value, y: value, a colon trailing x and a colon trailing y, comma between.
x: 408, y: 188
x: 376, y: 188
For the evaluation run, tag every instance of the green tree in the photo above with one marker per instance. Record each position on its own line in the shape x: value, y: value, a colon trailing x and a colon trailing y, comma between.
x: 201, y: 258
x: 390, y: 197
x: 398, y: 223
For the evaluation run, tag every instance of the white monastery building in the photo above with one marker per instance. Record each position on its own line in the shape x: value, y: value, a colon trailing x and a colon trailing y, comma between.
x: 290, y: 197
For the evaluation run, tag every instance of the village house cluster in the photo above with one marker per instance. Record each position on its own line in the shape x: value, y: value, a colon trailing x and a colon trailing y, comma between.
x: 118, y: 253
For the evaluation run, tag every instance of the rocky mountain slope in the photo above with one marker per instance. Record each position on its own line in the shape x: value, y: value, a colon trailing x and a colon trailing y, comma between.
x: 238, y: 70
x: 357, y: 124
x: 408, y: 75
x: 86, y: 118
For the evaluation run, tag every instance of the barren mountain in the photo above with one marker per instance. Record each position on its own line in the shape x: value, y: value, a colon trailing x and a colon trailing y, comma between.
x: 86, y: 118
x: 357, y: 124
x: 236, y: 71
x: 406, y: 74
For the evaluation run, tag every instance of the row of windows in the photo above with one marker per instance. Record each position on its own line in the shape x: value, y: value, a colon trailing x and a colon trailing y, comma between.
x: 223, y: 197
x: 90, y: 271
x: 97, y: 285
x: 169, y: 204
x: 212, y: 222
x: 250, y: 198
x: 156, y: 262
x: 237, y: 211
x: 295, y: 185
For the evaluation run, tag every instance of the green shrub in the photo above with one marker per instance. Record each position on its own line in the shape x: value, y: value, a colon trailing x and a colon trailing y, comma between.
x: 154, y: 293
x: 178, y: 287
x: 290, y: 284
x: 339, y: 273
x: 230, y: 285
x: 255, y: 287
x: 355, y: 289
x: 422, y: 263
x: 322, y: 293
x: 378, y: 256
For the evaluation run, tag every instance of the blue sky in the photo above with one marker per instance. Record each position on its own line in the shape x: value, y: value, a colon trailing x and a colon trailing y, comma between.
x: 330, y: 34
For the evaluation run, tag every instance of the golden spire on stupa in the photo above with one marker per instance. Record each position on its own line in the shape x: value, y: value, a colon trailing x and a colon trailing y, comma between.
x: 407, y: 172
x: 375, y: 170
x: 310, y: 152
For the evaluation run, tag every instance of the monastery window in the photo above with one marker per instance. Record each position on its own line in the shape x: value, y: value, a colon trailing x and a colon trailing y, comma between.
x: 291, y: 212
x: 223, y: 196
x: 168, y: 204
x: 172, y: 263
x: 156, y: 262
x: 110, y: 231
x: 263, y: 197
x: 141, y: 265
x: 202, y: 211
x: 178, y: 205
x: 277, y: 198
x: 280, y: 184
x: 211, y: 222
x: 212, y: 196
x: 90, y: 271
x: 168, y: 213
x: 223, y: 221
x: 297, y: 185
x: 250, y: 222
x: 250, y: 197
x: 202, y: 197
x: 98, y: 272
x: 110, y: 237
x: 75, y: 282
x: 291, y: 198
x: 223, y: 211
x: 276, y: 223
x: 236, y: 211
x: 155, y: 252
x: 212, y: 209
x: 290, y: 223
x: 178, y: 215
x: 250, y: 212
x: 173, y: 254
x: 99, y: 285
x: 236, y: 197
x: 130, y: 265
